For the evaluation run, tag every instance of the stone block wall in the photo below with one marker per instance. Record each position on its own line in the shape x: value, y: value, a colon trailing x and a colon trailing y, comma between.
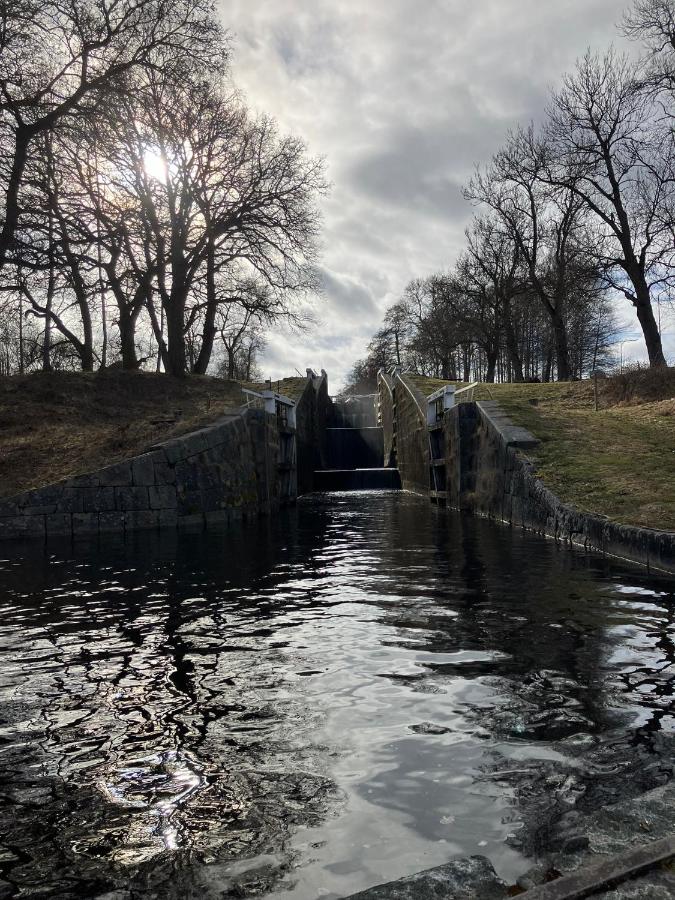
x: 387, y: 416
x: 482, y: 467
x: 221, y: 473
x: 412, y: 436
x: 313, y: 412
x: 489, y: 474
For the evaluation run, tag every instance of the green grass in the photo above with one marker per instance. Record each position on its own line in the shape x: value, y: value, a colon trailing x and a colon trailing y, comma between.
x: 617, y: 462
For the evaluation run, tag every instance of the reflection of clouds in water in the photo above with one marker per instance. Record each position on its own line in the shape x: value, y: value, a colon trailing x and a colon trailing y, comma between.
x: 349, y: 694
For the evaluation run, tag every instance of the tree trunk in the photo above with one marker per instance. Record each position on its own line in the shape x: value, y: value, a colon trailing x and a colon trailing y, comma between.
x: 548, y: 364
x: 158, y: 331
x: 512, y: 344
x: 208, y: 337
x: 51, y: 287
x: 466, y: 363
x: 11, y: 222
x: 176, y: 360
x: 87, y: 348
x: 209, y: 331
x: 127, y: 328
x: 491, y: 357
x: 21, y: 353
x: 562, y: 357
x: 47, y: 338
x: 650, y: 329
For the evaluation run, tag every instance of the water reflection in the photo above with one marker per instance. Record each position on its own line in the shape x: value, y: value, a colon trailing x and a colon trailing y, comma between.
x: 360, y: 689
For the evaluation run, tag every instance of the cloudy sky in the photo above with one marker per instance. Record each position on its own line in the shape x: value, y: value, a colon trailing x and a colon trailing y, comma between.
x: 402, y: 98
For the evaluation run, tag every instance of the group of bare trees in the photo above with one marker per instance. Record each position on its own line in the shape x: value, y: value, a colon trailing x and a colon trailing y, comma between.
x: 147, y: 216
x: 569, y: 216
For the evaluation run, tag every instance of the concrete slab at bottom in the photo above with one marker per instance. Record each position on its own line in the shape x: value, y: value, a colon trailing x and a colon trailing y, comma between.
x: 657, y: 885
x: 468, y: 878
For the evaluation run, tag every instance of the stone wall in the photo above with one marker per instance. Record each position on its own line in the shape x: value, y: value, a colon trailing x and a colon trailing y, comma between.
x: 313, y: 412
x: 488, y: 473
x: 408, y: 407
x: 387, y: 416
x: 477, y: 461
x: 233, y: 469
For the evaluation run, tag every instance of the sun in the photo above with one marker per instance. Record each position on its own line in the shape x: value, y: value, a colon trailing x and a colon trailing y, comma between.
x: 154, y: 165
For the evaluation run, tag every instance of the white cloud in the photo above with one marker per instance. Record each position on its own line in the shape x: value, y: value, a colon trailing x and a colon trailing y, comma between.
x: 402, y: 98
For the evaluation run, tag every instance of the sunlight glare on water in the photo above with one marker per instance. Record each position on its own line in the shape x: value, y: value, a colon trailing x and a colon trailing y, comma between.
x: 358, y: 689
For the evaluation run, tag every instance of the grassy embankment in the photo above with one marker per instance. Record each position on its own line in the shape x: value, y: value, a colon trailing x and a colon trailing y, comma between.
x: 54, y: 426
x: 619, y: 461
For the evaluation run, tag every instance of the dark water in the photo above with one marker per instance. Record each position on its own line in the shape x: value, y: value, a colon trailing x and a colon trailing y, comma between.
x: 361, y: 689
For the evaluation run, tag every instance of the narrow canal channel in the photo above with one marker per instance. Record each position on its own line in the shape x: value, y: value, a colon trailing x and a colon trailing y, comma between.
x: 359, y: 689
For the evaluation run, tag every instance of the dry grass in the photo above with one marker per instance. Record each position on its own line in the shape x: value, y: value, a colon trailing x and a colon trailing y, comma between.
x: 289, y: 387
x: 429, y: 385
x: 54, y: 426
x: 619, y: 461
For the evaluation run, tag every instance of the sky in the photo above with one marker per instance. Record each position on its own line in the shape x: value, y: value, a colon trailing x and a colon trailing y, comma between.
x: 402, y: 98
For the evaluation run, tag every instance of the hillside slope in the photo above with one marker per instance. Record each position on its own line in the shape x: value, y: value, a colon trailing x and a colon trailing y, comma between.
x: 56, y: 425
x: 618, y: 461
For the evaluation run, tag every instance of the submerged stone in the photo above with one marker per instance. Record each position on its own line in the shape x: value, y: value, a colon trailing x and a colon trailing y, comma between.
x: 429, y: 728
x: 468, y: 878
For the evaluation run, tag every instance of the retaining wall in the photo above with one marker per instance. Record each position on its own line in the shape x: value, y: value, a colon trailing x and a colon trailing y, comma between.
x: 236, y: 468
x: 313, y: 411
x: 402, y: 416
x: 387, y: 416
x: 477, y: 461
x: 497, y: 480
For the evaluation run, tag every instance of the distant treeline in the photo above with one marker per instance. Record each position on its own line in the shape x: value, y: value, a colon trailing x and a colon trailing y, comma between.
x: 147, y: 216
x: 568, y: 216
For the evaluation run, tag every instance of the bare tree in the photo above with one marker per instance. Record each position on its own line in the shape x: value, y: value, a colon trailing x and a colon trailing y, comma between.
x: 652, y: 22
x: 242, y: 341
x: 491, y: 276
x: 218, y: 190
x: 608, y: 149
x: 545, y: 221
x: 58, y: 57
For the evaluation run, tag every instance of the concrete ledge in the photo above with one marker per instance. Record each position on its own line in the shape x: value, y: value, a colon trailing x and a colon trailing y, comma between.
x: 606, y: 874
x: 467, y: 878
x: 511, y: 435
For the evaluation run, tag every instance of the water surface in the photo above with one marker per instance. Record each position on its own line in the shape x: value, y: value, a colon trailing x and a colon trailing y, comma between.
x: 361, y: 688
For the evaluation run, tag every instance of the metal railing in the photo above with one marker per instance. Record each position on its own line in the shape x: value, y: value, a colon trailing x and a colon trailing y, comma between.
x: 466, y: 394
x: 438, y: 402
x: 277, y: 404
